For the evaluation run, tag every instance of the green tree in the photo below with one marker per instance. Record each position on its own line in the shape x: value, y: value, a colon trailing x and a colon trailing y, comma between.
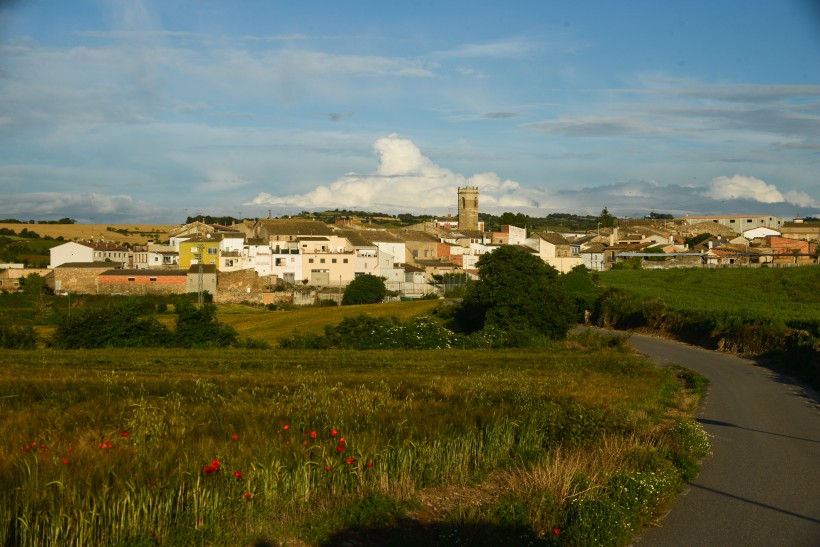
x: 365, y: 289
x: 579, y: 286
x: 198, y: 327
x: 516, y: 293
x: 607, y: 220
x: 114, y: 325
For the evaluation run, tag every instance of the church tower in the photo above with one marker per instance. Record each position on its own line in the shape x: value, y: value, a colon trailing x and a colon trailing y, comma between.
x: 468, y: 208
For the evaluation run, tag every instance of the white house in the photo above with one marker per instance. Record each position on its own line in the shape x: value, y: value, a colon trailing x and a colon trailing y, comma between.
x: 70, y: 252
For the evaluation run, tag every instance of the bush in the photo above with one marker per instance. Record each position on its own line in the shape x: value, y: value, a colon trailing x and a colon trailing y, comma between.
x: 365, y: 289
x: 17, y: 337
x: 198, y: 327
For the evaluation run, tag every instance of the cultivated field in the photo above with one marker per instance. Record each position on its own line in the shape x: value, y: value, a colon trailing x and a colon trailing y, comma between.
x: 137, y: 233
x: 272, y: 326
x: 580, y: 443
x: 777, y: 294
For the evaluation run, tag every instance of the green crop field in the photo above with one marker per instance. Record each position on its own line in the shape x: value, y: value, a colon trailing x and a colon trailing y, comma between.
x: 579, y: 443
x: 778, y: 294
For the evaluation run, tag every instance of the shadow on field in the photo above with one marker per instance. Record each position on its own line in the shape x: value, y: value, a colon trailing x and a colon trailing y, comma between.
x: 412, y: 532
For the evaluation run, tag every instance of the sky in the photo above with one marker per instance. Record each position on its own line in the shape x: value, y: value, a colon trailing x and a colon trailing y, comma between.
x: 137, y: 111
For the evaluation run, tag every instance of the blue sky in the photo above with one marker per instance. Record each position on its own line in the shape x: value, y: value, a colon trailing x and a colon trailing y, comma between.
x: 148, y: 110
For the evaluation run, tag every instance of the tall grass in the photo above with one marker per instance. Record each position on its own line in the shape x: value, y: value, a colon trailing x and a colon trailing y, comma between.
x: 136, y: 447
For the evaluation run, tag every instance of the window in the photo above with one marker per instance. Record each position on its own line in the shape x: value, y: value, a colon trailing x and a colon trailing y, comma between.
x: 321, y: 260
x: 131, y: 279
x: 310, y: 260
x: 194, y: 249
x: 731, y: 221
x: 152, y: 279
x: 333, y: 261
x: 212, y: 250
x: 344, y: 260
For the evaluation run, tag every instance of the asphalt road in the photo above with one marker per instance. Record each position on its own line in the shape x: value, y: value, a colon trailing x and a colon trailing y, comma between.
x: 761, y: 485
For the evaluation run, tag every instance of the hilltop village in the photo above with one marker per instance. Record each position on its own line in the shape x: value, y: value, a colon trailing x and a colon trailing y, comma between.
x: 269, y: 260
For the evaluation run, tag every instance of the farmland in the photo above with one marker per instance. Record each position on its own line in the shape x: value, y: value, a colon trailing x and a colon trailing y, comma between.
x: 124, y: 233
x: 577, y: 443
x: 779, y: 294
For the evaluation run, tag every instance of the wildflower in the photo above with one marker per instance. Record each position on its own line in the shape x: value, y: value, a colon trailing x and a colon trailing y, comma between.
x: 333, y: 433
x: 209, y: 469
x: 340, y: 448
x: 341, y: 440
x: 350, y: 461
x: 286, y: 427
x: 238, y: 474
x: 234, y: 437
x: 369, y: 464
x: 247, y: 495
x: 556, y: 531
x: 215, y: 464
x: 312, y: 434
x: 108, y: 444
x: 327, y: 468
x: 65, y: 461
x: 306, y: 443
x: 123, y: 433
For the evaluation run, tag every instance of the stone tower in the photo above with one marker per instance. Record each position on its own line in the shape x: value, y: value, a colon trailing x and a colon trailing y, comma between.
x: 468, y: 208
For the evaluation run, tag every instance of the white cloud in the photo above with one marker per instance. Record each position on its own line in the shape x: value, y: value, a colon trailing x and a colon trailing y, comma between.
x: 743, y: 187
x: 404, y: 179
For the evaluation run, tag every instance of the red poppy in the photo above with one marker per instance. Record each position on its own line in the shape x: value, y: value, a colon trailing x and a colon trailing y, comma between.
x: 312, y: 434
x: 340, y: 448
x: 286, y: 427
x: 108, y: 444
x: 369, y: 464
x: 333, y: 432
x: 350, y: 461
x: 247, y: 495
x: 341, y: 440
x: 123, y: 433
x: 102, y: 446
x: 215, y: 464
x: 238, y: 474
x: 556, y: 531
x: 327, y: 468
x: 234, y: 437
x: 306, y: 443
x: 65, y: 461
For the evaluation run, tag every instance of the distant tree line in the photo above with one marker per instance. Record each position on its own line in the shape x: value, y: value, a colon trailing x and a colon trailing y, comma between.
x: 64, y: 220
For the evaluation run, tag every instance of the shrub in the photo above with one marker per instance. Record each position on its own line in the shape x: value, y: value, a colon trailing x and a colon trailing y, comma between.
x: 17, y: 337
x: 198, y: 327
x: 365, y: 289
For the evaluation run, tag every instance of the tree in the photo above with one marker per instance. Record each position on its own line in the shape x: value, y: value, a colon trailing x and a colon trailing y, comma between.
x: 516, y: 292
x: 365, y: 289
x: 606, y: 220
x: 198, y: 327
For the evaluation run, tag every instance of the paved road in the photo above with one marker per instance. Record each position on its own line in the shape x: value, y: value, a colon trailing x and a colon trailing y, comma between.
x: 761, y: 486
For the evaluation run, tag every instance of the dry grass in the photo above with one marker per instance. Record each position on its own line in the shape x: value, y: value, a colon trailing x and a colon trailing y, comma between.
x: 85, y: 231
x: 272, y: 326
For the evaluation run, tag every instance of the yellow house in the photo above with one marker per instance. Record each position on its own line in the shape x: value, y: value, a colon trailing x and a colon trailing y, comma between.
x: 196, y: 251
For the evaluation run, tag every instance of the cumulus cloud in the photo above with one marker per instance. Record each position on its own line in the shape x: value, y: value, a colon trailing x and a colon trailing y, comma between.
x: 404, y: 179
x: 754, y: 189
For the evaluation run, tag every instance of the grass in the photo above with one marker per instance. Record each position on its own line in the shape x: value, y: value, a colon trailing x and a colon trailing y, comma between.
x: 113, y: 446
x: 272, y: 326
